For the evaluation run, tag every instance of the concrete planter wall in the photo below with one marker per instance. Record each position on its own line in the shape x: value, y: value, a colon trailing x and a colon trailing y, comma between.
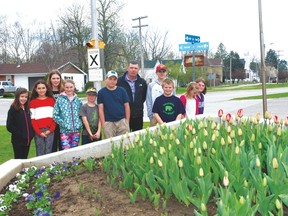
x: 9, y: 169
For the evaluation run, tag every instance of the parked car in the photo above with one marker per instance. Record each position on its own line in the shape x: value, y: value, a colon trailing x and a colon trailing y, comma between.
x: 7, y: 87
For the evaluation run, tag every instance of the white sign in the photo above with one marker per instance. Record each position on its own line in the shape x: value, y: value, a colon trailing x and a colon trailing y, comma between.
x: 96, y: 74
x: 93, y: 58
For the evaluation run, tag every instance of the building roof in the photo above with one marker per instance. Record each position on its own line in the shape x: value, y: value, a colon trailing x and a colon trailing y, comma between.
x: 149, y: 63
x: 25, y: 68
x: 36, y: 68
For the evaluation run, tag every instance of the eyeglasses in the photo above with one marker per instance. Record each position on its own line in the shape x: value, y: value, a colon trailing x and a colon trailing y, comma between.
x: 161, y: 71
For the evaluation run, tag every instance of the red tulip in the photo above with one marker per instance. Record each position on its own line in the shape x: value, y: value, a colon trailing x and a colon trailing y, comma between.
x: 240, y: 113
x: 276, y: 119
x: 286, y: 121
x: 220, y: 113
x: 228, y: 117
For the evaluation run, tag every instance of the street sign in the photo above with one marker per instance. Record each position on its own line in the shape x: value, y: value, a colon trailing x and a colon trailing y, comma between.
x: 201, y: 46
x: 95, y: 74
x: 192, y: 38
x: 198, y: 60
x: 195, y: 46
x: 185, y: 47
x: 93, y: 58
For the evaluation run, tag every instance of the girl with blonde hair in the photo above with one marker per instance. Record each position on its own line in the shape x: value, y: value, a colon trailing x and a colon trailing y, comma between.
x: 190, y: 101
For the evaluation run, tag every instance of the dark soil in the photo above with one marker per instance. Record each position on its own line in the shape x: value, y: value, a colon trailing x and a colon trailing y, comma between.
x: 85, y: 193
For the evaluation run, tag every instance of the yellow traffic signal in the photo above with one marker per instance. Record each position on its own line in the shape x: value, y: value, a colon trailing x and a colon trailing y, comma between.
x: 101, y: 44
x: 91, y: 43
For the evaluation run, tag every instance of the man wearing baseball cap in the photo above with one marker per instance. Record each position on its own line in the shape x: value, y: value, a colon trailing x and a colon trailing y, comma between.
x: 155, y: 90
x: 114, y: 110
x: 136, y: 89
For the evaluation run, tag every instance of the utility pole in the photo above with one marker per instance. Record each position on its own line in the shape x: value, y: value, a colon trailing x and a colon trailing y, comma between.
x: 140, y: 36
x: 94, y: 25
x: 262, y: 52
x: 230, y: 68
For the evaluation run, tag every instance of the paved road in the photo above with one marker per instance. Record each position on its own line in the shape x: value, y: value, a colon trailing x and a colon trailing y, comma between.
x: 222, y: 100
x: 215, y: 101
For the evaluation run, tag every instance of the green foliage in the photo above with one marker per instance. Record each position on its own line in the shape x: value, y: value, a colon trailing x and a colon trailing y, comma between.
x: 90, y: 164
x: 89, y: 85
x: 237, y: 160
x: 8, y: 95
x: 271, y: 58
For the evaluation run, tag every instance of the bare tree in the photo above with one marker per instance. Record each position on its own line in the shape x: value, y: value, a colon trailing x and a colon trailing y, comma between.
x: 5, y: 57
x: 110, y: 31
x: 156, y: 46
x: 72, y: 33
x: 130, y: 47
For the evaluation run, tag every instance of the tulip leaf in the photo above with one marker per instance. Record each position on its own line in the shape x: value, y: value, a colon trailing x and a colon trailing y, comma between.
x: 150, y: 194
x: 284, y: 198
x: 156, y: 200
x: 264, y: 204
x: 285, y: 168
x: 150, y: 179
x: 133, y: 196
x: 141, y: 190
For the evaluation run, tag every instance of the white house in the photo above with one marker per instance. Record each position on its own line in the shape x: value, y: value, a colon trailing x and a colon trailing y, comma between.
x: 26, y: 74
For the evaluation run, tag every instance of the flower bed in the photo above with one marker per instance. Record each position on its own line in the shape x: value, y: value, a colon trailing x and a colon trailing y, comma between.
x: 239, y: 164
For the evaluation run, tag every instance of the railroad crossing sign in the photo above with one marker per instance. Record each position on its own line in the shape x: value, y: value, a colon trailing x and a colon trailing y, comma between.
x: 192, y: 38
x: 93, y: 58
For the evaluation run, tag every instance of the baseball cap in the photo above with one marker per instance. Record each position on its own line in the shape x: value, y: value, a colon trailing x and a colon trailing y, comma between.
x: 91, y: 91
x: 112, y: 73
x: 161, y: 67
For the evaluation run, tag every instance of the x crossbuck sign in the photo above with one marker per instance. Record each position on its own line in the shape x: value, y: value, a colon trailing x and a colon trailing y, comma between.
x: 93, y: 58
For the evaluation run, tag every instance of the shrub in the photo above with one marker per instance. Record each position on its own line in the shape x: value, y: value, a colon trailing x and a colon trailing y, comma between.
x: 89, y: 85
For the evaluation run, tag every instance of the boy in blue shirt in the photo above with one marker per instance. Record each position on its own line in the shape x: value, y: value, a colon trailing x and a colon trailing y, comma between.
x: 113, y: 105
x: 168, y: 107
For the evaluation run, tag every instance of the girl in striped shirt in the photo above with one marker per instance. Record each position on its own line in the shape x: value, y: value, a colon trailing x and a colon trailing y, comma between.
x: 41, y: 107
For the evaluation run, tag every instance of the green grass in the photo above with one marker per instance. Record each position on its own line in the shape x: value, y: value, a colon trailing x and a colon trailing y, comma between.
x: 269, y: 96
x: 229, y: 87
x: 6, y: 152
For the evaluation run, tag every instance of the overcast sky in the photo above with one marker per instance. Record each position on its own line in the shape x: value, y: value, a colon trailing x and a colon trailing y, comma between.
x: 235, y: 23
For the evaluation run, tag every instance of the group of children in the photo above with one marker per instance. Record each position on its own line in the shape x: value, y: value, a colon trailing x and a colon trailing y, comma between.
x: 55, y: 116
x: 51, y: 115
x: 164, y: 106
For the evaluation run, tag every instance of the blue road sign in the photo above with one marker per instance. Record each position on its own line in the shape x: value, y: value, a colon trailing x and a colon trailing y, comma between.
x: 192, y: 38
x: 201, y: 46
x: 196, y: 46
x: 185, y: 47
